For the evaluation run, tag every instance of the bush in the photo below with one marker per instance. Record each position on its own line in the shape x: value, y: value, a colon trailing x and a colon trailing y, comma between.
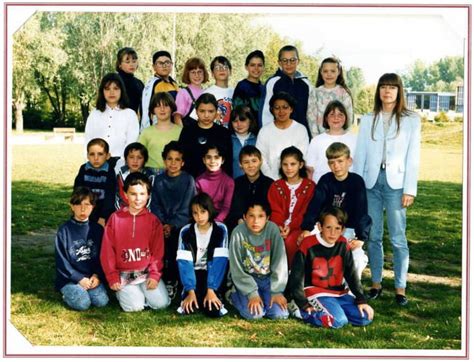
x: 459, y: 119
x: 442, y: 117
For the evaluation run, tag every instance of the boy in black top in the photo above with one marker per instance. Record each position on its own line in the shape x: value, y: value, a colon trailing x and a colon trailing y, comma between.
x: 250, y: 187
x: 346, y: 190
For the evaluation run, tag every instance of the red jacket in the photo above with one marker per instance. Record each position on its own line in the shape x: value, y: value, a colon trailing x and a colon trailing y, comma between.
x: 279, y: 199
x: 132, y: 242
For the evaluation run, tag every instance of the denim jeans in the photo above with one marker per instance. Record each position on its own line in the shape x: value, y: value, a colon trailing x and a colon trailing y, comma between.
x: 240, y: 302
x: 342, y: 311
x: 381, y: 197
x: 77, y: 298
x: 134, y: 297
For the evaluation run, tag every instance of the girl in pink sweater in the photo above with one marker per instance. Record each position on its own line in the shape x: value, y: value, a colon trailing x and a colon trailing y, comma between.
x: 215, y: 182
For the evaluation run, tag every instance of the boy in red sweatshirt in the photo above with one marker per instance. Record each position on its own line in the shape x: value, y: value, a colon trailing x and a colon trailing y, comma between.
x: 132, y: 250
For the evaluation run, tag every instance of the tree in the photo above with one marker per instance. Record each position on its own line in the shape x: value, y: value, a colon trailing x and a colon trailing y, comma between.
x: 355, y: 80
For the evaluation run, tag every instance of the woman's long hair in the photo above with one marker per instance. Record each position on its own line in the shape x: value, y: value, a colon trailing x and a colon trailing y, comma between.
x: 400, y: 107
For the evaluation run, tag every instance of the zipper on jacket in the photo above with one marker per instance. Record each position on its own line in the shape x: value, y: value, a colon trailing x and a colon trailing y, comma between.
x: 133, y: 228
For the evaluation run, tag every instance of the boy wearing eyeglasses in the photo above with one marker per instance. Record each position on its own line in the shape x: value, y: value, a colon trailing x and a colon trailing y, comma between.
x: 287, y: 79
x: 221, y: 70
x: 161, y: 81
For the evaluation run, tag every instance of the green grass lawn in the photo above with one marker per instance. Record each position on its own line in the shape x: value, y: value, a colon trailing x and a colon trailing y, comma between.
x: 41, y: 180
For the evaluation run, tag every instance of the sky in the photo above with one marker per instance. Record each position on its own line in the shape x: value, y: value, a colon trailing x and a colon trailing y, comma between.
x: 378, y: 40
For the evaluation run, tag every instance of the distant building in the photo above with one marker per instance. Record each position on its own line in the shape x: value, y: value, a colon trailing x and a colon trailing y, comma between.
x: 433, y: 101
x: 460, y: 98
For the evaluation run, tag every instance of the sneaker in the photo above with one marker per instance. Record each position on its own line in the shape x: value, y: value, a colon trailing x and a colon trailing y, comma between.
x: 327, y: 320
x: 172, y: 289
x: 294, y: 310
x: 401, y: 299
x: 374, y: 293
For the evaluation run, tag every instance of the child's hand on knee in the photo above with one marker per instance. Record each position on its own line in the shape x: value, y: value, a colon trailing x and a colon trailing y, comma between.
x: 255, y: 305
x: 85, y: 283
x: 101, y: 221
x: 367, y: 309
x: 189, y: 301
x: 280, y: 300
x: 151, y: 283
x: 94, y: 281
x: 116, y: 287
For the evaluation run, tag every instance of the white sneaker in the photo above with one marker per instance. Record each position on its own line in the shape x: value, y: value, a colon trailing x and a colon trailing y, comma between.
x: 294, y: 310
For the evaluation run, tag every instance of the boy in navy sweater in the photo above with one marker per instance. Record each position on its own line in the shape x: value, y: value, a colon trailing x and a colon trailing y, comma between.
x: 344, y: 189
x: 77, y: 248
x: 99, y: 176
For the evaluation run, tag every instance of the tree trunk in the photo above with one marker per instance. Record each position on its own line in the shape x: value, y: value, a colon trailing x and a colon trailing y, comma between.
x: 19, y: 106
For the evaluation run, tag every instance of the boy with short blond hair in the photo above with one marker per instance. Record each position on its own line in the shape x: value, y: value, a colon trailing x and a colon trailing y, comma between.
x: 258, y: 266
x: 99, y: 176
x: 132, y: 250
x: 316, y: 282
x: 253, y: 185
x: 171, y: 194
x: 346, y: 190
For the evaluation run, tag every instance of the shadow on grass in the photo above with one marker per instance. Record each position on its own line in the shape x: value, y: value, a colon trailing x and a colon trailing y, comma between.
x: 431, y: 321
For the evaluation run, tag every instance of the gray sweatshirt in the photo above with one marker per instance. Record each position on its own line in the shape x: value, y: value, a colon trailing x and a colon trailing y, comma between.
x: 257, y: 256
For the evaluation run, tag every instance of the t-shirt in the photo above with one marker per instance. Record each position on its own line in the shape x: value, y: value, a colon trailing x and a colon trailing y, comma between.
x: 155, y: 141
x: 224, y: 101
x: 202, y: 242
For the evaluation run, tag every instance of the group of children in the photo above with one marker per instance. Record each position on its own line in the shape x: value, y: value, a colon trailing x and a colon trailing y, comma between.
x: 202, y: 191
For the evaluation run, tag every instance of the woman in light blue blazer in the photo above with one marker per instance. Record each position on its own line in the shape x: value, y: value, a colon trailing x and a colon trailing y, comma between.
x: 388, y: 157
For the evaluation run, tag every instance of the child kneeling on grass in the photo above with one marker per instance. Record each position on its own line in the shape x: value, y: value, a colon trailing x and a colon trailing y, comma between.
x: 258, y: 266
x: 132, y: 250
x: 202, y: 259
x: 77, y: 249
x: 317, y: 273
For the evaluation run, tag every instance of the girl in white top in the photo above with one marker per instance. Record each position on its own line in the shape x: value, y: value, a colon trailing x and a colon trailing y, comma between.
x: 336, y: 124
x: 330, y: 86
x: 112, y: 120
x: 283, y: 132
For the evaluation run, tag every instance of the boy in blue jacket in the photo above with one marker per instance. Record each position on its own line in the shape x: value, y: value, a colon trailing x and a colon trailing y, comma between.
x: 77, y: 249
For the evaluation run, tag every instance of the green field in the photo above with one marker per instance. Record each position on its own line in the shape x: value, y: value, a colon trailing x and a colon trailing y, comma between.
x: 41, y: 184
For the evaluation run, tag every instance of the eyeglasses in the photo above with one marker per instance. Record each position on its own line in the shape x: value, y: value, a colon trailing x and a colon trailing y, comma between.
x: 221, y: 67
x: 289, y: 61
x: 164, y: 64
x: 196, y: 72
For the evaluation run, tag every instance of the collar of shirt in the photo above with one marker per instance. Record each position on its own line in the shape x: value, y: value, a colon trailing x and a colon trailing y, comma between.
x: 104, y: 167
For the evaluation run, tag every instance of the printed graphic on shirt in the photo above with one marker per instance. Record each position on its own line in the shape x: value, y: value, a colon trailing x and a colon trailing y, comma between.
x: 257, y: 258
x: 201, y: 263
x: 224, y: 108
x: 327, y: 273
x: 82, y: 250
x: 137, y: 254
x: 100, y: 193
x: 338, y: 200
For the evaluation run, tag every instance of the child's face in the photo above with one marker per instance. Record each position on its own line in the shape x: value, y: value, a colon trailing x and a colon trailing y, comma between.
x: 291, y: 167
x: 162, y: 112
x: 97, y: 156
x: 288, y: 62
x: 251, y: 165
x: 112, y: 94
x: 137, y: 196
x: 135, y: 160
x: 163, y: 66
x: 340, y: 166
x: 336, y: 120
x: 221, y: 72
x: 256, y: 219
x: 129, y: 64
x: 173, y: 163
x: 331, y: 231
x: 255, y: 68
x: 206, y: 113
x: 329, y: 73
x: 281, y: 110
x: 200, y: 215
x: 241, y: 126
x: 82, y: 211
x: 196, y: 76
x: 213, y: 160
